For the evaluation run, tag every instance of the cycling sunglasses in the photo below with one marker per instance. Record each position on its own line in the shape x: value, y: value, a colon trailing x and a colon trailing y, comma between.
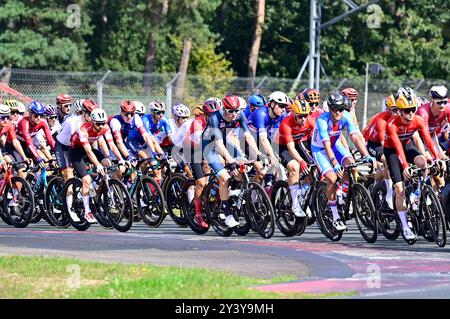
x: 301, y: 116
x: 16, y: 112
x: 313, y: 104
x: 100, y: 124
x: 409, y: 110
x: 128, y: 114
x: 4, y: 117
x: 159, y: 112
x: 233, y: 111
x: 52, y: 117
x: 338, y: 109
x: 36, y: 115
x: 282, y: 106
x: 442, y: 102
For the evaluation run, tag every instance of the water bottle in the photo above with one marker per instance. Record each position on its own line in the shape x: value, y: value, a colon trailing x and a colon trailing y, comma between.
x: 304, y: 190
x: 414, y: 199
x: 212, y: 194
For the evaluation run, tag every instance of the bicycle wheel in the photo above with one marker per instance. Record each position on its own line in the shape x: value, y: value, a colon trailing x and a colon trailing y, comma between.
x: 364, y: 210
x: 18, y: 202
x: 73, y: 186
x: 150, y: 202
x: 285, y: 219
x: 39, y: 198
x: 260, y: 210
x: 172, y: 194
x: 117, y: 206
x: 53, y: 202
x: 434, y: 216
x: 324, y: 215
x: 213, y: 208
x: 387, y: 220
x: 189, y: 209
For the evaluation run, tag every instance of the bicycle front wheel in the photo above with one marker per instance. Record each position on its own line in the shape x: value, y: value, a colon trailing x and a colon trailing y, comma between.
x: 260, y: 210
x: 172, y: 194
x: 324, y: 215
x: 54, y: 204
x: 18, y: 202
x: 117, y: 205
x: 364, y: 210
x: 434, y: 216
x: 150, y: 202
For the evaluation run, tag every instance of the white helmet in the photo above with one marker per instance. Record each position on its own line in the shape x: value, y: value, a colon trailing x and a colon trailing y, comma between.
x: 79, y: 105
x: 21, y: 107
x: 242, y: 102
x: 140, y: 107
x: 157, y: 105
x: 279, y: 97
x: 5, y: 110
x: 99, y: 115
x: 439, y: 92
x: 181, y: 110
x: 405, y: 91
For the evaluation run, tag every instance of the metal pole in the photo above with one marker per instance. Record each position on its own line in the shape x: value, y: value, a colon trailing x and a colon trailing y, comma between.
x: 100, y: 89
x: 345, y: 15
x: 312, y: 41
x: 299, y: 75
x: 260, y: 83
x: 366, y: 92
x: 318, y: 21
x: 415, y: 89
x: 2, y: 70
x: 169, y: 88
x: 341, y: 84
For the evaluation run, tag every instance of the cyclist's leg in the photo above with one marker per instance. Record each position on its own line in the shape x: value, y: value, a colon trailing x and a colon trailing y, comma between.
x: 344, y: 157
x: 77, y: 157
x: 293, y: 168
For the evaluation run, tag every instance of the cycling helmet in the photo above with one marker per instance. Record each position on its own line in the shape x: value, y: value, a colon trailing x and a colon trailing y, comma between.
x: 438, y: 92
x: 390, y: 102
x: 50, y: 110
x: 99, y: 115
x: 230, y: 102
x: 336, y: 99
x: 406, y: 102
x: 198, y: 110
x: 63, y: 99
x: 79, y: 105
x: 242, y: 103
x: 212, y: 105
x: 127, y: 106
x: 13, y: 104
x: 256, y: 100
x: 5, y: 110
x: 88, y: 106
x: 300, y: 107
x: 279, y: 97
x: 20, y: 107
x: 157, y: 105
x: 181, y: 110
x: 262, y: 98
x: 140, y: 107
x: 405, y: 91
x: 350, y: 92
x: 310, y: 95
x: 36, y: 107
x: 348, y: 103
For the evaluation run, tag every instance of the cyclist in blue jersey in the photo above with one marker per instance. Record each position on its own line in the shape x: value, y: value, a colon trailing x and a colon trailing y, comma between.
x: 214, y: 139
x: 156, y: 124
x: 265, y: 121
x: 330, y: 154
x: 254, y: 101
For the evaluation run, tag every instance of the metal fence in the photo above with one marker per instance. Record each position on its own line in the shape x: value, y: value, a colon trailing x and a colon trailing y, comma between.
x: 109, y: 88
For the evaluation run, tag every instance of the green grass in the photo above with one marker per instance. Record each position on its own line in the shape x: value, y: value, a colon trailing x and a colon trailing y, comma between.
x: 45, y: 277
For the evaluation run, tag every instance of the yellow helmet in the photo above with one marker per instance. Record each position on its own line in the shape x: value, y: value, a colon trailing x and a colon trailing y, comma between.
x: 300, y: 107
x: 406, y: 102
x: 390, y: 102
x: 198, y: 110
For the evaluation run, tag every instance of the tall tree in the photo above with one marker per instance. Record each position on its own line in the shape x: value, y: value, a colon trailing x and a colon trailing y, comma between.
x: 256, y: 42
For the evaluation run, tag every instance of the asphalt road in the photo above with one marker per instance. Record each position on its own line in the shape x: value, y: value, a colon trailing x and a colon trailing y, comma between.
x: 385, y: 269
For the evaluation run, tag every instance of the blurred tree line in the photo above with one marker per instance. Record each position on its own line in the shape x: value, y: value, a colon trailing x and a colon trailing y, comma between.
x: 217, y: 37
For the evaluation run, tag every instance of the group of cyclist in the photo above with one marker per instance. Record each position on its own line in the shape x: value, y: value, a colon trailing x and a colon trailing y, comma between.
x: 295, y: 133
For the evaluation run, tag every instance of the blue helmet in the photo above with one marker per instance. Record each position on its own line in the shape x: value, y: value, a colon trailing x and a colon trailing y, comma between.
x: 36, y: 107
x: 256, y: 100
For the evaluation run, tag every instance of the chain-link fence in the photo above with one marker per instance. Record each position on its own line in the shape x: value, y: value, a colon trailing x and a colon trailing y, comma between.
x: 109, y: 88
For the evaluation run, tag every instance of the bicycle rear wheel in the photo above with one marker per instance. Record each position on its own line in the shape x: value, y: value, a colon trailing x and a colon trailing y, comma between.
x: 260, y: 210
x: 213, y: 208
x: 117, y: 205
x: 18, y: 202
x: 150, y: 202
x: 434, y: 216
x: 364, y: 210
x: 324, y: 215
x: 73, y: 186
x: 387, y: 220
x: 286, y: 222
x: 188, y: 208
x: 172, y: 195
x: 54, y: 204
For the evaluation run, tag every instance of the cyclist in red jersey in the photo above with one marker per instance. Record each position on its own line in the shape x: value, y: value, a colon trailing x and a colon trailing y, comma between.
x: 294, y: 129
x: 312, y: 96
x: 400, y: 150
x: 28, y: 127
x: 374, y: 134
x: 95, y: 131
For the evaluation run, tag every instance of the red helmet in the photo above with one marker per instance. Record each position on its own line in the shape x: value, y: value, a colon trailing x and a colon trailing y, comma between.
x: 309, y: 95
x: 230, y: 102
x: 63, y: 99
x: 127, y: 106
x: 351, y: 93
x: 88, y: 106
x: 212, y: 105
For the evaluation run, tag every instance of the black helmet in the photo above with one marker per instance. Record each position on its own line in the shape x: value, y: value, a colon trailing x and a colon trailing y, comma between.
x: 336, y: 99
